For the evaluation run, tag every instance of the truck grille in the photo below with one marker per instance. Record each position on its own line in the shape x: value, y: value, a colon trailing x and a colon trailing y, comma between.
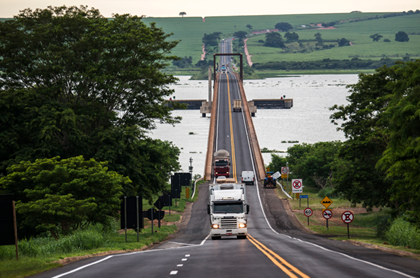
x: 229, y: 223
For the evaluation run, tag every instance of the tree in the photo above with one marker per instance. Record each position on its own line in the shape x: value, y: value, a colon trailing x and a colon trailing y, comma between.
x: 375, y: 37
x: 182, y: 14
x: 401, y: 159
x: 74, y: 83
x: 343, y: 42
x: 240, y: 35
x: 318, y: 37
x: 355, y: 173
x: 314, y: 162
x: 249, y: 26
x: 283, y: 26
x: 273, y: 40
x: 401, y: 36
x: 61, y: 195
x: 291, y: 37
x: 211, y: 39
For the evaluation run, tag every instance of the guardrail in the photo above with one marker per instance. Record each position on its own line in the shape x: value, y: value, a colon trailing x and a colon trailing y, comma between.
x: 212, y: 130
x: 284, y: 191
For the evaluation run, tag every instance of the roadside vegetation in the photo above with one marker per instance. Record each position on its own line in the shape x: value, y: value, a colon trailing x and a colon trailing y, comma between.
x: 74, y: 135
x: 377, y: 167
x: 43, y: 252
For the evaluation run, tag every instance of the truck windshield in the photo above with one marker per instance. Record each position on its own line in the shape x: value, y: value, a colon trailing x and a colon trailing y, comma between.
x: 228, y: 208
x: 221, y: 163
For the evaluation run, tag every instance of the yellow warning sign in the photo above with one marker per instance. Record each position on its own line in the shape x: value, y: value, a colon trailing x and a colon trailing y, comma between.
x: 326, y: 202
x: 284, y: 176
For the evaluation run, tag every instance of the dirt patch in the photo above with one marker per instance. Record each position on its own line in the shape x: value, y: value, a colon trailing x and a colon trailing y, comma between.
x: 248, y: 57
x: 203, y: 55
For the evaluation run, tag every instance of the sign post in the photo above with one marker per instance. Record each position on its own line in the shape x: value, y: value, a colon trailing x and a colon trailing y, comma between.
x: 297, y: 186
x: 347, y: 217
x: 308, y: 213
x: 327, y: 214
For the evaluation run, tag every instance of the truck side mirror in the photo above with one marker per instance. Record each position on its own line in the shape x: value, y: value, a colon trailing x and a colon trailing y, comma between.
x: 247, y: 209
x: 208, y: 209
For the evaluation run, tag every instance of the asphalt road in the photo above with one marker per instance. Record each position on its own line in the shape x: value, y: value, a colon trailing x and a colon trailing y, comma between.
x: 276, y: 245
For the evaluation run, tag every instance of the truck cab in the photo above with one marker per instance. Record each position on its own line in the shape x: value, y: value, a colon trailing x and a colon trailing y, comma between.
x: 228, y: 210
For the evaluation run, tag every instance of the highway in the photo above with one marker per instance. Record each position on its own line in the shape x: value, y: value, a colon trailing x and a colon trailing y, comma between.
x: 276, y: 246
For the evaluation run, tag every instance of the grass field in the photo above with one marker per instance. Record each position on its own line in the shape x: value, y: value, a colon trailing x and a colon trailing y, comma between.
x: 190, y: 30
x: 356, y: 32
x: 362, y: 229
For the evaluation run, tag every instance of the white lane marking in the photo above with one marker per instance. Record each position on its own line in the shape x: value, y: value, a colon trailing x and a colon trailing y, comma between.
x: 77, y: 269
x: 179, y: 265
x: 204, y: 240
x: 187, y: 255
x: 184, y: 259
x: 181, y: 243
x: 173, y: 272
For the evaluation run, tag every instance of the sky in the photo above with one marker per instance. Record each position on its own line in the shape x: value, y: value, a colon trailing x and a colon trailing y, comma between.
x: 172, y: 8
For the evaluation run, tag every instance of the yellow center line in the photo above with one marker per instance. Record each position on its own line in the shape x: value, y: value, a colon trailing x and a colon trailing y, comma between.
x: 273, y: 256
x: 232, y: 142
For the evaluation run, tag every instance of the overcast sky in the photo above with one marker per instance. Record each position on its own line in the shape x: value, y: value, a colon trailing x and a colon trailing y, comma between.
x: 172, y: 8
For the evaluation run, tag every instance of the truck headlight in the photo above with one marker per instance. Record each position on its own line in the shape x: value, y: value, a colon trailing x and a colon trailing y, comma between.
x: 215, y: 226
x: 242, y: 225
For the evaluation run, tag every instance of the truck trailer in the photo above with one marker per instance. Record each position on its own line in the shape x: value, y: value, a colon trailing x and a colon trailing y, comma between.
x: 228, y: 210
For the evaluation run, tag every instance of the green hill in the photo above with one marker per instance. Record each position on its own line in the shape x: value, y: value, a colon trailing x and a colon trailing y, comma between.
x: 352, y: 26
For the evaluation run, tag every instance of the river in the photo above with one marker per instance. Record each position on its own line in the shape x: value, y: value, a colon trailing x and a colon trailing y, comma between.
x: 306, y: 122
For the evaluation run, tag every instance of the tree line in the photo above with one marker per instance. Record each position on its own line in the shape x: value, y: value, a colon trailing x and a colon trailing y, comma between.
x: 378, y: 164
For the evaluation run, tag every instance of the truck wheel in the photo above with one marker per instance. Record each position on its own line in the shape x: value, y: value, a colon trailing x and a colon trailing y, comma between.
x: 241, y: 237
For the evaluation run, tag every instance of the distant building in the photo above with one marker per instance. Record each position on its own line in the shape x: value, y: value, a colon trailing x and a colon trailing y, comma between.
x: 303, y: 26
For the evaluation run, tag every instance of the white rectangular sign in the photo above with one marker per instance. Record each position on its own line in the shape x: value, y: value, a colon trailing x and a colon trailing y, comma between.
x: 276, y: 175
x: 297, y: 186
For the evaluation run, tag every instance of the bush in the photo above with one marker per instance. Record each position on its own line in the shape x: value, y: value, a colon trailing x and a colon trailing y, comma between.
x: 382, y: 225
x: 88, y: 239
x: 403, y: 233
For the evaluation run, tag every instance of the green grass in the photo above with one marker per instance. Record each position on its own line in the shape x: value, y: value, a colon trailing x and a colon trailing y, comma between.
x: 356, y: 32
x: 362, y: 229
x: 190, y: 31
x: 40, y: 254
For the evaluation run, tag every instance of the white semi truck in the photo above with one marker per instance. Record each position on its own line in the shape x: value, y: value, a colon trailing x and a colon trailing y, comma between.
x: 228, y: 210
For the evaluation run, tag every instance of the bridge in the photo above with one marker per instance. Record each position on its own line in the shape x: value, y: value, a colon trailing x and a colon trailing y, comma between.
x: 277, y: 244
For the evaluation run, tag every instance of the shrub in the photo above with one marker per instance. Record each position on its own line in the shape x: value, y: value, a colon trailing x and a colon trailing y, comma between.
x: 403, y: 233
x: 327, y: 191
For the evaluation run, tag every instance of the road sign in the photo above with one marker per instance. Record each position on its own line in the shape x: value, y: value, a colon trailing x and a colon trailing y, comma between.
x: 187, y: 193
x: 129, y: 205
x: 327, y: 214
x: 156, y: 214
x: 7, y: 231
x: 285, y: 170
x: 326, y: 202
x: 304, y: 196
x: 284, y: 176
x: 297, y: 186
x: 347, y: 217
x: 268, y: 169
x: 308, y: 212
x: 276, y: 175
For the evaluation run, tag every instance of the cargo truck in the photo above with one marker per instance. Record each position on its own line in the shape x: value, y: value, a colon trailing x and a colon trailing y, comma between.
x: 237, y: 105
x: 228, y: 210
x: 221, y: 163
